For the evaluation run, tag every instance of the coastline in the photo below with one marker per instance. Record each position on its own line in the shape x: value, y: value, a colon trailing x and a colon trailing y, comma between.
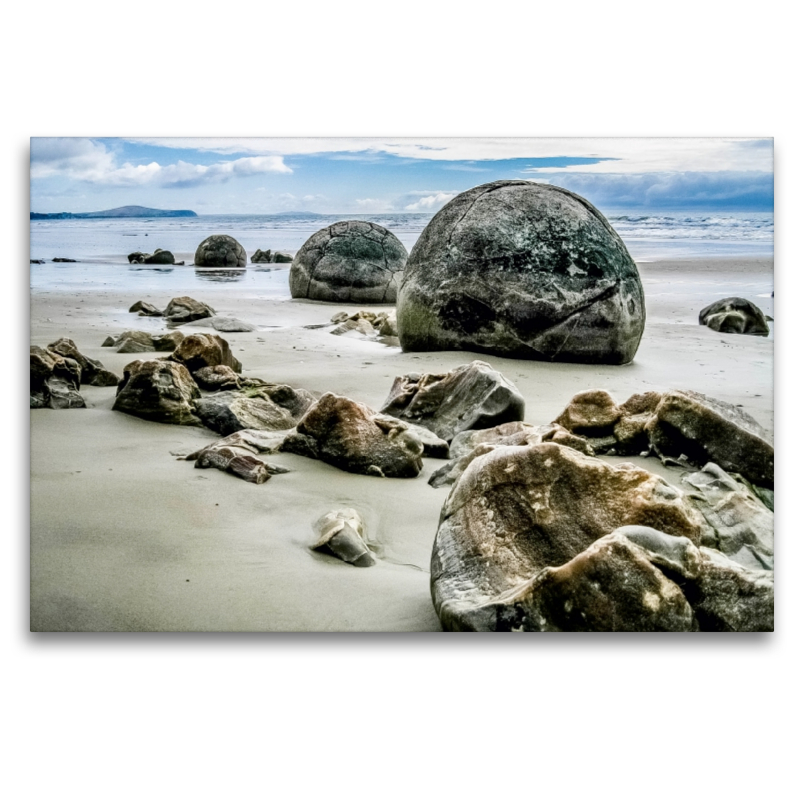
x: 126, y: 537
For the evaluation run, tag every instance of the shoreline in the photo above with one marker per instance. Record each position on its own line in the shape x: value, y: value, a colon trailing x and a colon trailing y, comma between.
x: 126, y: 537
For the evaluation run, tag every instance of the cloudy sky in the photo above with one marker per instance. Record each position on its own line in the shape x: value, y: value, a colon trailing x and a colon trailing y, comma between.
x: 338, y: 175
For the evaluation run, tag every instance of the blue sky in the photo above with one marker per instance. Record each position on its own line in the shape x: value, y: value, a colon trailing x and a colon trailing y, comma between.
x: 379, y: 175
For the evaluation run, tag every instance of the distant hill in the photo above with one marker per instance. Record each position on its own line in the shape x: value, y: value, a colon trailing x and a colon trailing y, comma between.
x: 114, y: 213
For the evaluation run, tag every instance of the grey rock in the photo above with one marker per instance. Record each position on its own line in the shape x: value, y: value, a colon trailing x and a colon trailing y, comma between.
x: 471, y: 396
x: 93, y: 373
x: 341, y: 532
x: 353, y: 261
x: 145, y: 309
x: 220, y: 250
x: 54, y: 380
x: 186, y: 309
x: 231, y: 325
x: 522, y: 270
x: 735, y: 315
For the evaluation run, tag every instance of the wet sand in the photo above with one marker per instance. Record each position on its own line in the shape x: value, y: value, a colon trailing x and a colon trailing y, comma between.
x: 124, y: 536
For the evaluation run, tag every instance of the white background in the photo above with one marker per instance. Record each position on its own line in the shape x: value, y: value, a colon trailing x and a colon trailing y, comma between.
x: 185, y: 716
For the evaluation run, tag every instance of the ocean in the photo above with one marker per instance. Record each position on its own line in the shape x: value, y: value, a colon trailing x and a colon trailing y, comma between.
x: 101, y: 245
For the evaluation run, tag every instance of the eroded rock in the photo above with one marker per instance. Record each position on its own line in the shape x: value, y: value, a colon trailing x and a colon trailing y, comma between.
x: 735, y: 315
x: 93, y: 373
x: 205, y: 350
x: 186, y: 309
x: 158, y: 390
x: 55, y: 380
x: 341, y: 533
x: 352, y: 437
x: 471, y: 396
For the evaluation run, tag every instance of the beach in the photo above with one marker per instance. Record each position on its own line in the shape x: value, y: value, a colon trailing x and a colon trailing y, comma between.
x: 126, y: 536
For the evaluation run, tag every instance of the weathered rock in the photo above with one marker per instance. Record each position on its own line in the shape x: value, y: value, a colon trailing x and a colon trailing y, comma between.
x: 55, y: 380
x: 704, y: 429
x: 735, y: 315
x: 743, y: 525
x: 158, y: 390
x: 354, y: 438
x: 592, y: 413
x: 282, y: 258
x: 227, y: 459
x: 523, y: 270
x: 248, y: 440
x: 65, y: 261
x: 471, y: 396
x: 516, y: 511
x: 137, y: 257
x: 93, y: 373
x: 220, y: 250
x: 186, y: 309
x: 432, y: 445
x: 355, y: 261
x: 261, y: 257
x: 145, y: 309
x: 205, y: 350
x: 143, y: 342
x: 341, y: 532
x: 270, y: 408
x: 216, y: 378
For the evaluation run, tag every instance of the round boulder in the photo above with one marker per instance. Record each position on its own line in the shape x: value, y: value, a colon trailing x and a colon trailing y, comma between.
x: 735, y: 315
x: 524, y: 270
x: 349, y: 262
x: 220, y: 250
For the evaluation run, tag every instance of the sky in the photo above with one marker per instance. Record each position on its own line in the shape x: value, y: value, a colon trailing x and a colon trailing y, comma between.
x: 385, y: 175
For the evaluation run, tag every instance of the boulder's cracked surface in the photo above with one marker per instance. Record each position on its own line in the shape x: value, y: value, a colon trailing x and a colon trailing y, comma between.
x: 523, y: 270
x: 349, y: 262
x: 220, y: 250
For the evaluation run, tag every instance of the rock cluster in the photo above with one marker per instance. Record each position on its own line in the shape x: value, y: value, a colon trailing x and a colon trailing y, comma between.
x: 523, y: 270
x: 220, y: 250
x: 179, y: 310
x: 268, y: 257
x: 349, y: 262
x: 380, y: 326
x: 58, y: 372
x: 735, y: 315
x: 681, y: 426
x: 157, y: 257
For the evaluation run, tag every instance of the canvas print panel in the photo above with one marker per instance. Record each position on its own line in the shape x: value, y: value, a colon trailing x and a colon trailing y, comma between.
x: 401, y: 384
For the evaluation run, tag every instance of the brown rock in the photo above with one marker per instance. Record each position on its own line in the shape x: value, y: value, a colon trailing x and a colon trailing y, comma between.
x: 160, y: 391
x: 55, y: 380
x: 205, y: 350
x: 592, y: 413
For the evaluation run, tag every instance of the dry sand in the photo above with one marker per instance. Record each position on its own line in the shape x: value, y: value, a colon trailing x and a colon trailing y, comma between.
x: 124, y: 536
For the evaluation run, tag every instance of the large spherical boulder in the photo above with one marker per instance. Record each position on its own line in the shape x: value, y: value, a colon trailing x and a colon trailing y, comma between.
x: 524, y: 270
x: 349, y: 262
x: 220, y: 250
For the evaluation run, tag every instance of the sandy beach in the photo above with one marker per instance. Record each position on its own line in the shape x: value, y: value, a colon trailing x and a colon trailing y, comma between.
x: 125, y: 536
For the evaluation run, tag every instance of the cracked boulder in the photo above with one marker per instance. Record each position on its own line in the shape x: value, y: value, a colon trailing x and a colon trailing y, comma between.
x: 267, y: 407
x: 522, y: 270
x: 159, y: 391
x: 55, y: 380
x: 352, y: 437
x: 470, y: 396
x: 735, y: 315
x: 349, y: 262
x: 93, y: 373
x: 220, y: 250
x: 516, y: 511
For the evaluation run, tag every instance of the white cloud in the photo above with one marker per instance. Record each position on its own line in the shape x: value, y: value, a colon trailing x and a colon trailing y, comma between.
x: 85, y: 160
x: 677, y: 154
x: 372, y: 204
x: 431, y: 202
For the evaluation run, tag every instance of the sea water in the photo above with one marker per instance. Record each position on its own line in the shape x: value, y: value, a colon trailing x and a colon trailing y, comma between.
x: 101, y: 246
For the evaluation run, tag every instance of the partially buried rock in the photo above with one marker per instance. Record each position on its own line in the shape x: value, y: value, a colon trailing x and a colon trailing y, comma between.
x: 234, y: 454
x: 517, y: 511
x: 341, y: 532
x: 160, y: 391
x: 735, y: 315
x: 216, y: 378
x: 471, y: 396
x: 93, y: 372
x: 205, y: 350
x: 231, y: 325
x: 271, y: 407
x: 523, y: 270
x: 55, y: 380
x: 352, y: 437
x: 220, y: 250
x: 143, y: 342
x: 186, y: 309
x: 158, y: 257
x: 349, y: 262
